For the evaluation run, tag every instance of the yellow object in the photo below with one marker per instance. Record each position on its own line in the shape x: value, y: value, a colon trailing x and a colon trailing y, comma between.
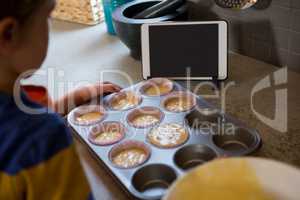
x: 224, y: 179
x: 60, y: 177
x: 88, y: 12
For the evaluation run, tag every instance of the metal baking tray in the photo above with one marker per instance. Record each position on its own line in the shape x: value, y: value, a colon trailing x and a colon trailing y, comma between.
x: 151, y: 179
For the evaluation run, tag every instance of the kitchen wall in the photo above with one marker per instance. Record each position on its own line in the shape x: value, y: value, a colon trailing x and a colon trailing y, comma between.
x: 270, y: 31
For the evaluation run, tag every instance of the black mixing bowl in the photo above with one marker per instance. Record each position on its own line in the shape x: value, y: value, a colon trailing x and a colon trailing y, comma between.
x: 129, y: 29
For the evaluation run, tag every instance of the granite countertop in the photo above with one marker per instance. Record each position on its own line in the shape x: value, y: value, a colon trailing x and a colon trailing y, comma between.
x: 246, y: 73
x: 89, y: 50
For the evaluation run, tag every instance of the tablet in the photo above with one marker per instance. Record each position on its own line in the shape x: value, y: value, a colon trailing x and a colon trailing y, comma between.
x: 185, y: 50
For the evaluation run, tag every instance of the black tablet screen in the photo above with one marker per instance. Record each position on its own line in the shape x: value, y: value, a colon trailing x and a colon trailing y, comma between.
x: 177, y: 49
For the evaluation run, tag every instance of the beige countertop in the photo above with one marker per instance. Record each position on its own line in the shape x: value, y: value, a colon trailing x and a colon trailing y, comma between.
x: 82, y: 52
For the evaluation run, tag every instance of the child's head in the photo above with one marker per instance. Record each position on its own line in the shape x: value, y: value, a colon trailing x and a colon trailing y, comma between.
x: 24, y: 33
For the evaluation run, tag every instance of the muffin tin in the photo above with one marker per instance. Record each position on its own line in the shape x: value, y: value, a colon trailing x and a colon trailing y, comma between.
x: 212, y: 134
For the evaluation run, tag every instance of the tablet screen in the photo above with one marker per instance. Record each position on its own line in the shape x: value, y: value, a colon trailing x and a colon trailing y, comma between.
x: 176, y: 48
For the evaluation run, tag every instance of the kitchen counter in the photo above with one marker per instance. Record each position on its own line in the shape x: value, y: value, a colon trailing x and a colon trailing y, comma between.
x: 78, y: 54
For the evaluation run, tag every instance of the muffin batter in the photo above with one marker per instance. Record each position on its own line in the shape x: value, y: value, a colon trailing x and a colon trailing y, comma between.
x: 89, y: 117
x: 127, y: 101
x: 145, y: 120
x: 179, y: 104
x: 108, y: 137
x: 168, y: 135
x: 156, y: 90
x: 130, y: 158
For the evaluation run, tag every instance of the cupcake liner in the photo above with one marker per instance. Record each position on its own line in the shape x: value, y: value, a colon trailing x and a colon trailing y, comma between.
x: 124, y: 95
x: 152, y: 111
x: 179, y: 95
x: 127, y: 145
x: 167, y: 143
x: 155, y: 82
x: 107, y: 126
x: 76, y: 113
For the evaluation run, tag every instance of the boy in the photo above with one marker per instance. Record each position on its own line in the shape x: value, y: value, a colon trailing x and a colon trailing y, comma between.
x: 37, y: 156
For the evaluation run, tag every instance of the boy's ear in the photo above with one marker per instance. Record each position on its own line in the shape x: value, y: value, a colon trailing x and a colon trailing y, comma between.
x: 9, y: 31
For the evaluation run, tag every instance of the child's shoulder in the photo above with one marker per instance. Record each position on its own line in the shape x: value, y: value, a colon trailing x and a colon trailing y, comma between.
x: 27, y: 139
x: 29, y: 117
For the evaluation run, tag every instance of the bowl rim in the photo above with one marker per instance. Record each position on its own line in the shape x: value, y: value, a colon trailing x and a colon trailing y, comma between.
x: 118, y: 14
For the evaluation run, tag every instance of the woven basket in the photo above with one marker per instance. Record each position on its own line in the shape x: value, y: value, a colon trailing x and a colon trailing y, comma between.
x: 88, y: 12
